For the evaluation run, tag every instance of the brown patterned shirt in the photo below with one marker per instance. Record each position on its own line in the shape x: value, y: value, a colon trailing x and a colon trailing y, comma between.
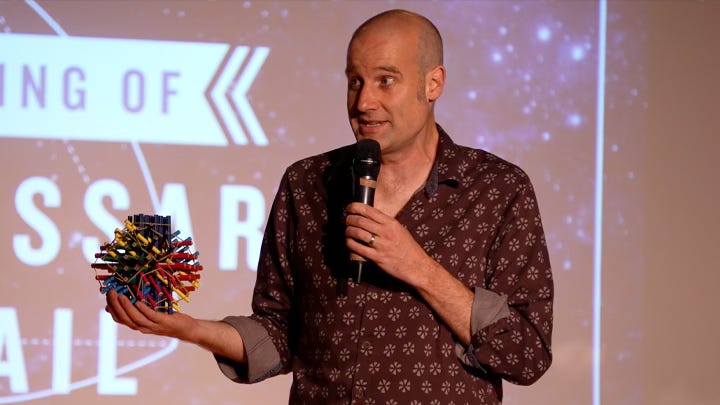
x: 378, y: 342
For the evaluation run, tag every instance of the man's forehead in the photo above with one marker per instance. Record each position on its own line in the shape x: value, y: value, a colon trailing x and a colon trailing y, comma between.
x: 382, y: 47
x: 388, y: 31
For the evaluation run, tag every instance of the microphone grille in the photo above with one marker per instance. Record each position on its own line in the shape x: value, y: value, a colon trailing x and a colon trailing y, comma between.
x: 367, y: 158
x: 368, y: 149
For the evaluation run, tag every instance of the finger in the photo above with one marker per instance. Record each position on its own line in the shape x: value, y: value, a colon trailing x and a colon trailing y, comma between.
x: 148, y: 312
x: 362, y: 227
x: 112, y: 314
x: 371, y: 241
x: 360, y: 249
x: 116, y: 310
x: 366, y: 211
x: 361, y: 235
x: 137, y: 318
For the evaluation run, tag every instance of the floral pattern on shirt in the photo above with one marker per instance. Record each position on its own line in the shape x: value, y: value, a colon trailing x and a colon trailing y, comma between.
x: 377, y: 342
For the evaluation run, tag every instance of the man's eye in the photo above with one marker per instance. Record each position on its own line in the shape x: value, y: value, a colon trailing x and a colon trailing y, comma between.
x: 354, y: 83
x: 387, y: 80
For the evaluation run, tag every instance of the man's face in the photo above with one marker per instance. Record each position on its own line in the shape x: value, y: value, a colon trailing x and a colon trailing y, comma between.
x: 386, y: 97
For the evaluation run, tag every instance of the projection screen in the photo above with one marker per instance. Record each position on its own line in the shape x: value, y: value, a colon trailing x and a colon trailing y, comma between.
x: 194, y: 109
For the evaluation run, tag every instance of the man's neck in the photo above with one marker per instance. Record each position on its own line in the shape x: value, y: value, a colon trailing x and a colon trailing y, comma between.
x: 402, y: 176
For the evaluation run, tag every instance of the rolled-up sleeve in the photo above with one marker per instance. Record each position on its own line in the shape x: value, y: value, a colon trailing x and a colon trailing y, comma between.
x: 488, y: 307
x: 263, y: 359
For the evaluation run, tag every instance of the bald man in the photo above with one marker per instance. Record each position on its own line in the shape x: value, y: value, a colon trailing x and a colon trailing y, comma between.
x: 459, y: 294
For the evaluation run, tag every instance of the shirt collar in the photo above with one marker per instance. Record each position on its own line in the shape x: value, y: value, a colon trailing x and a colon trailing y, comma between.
x: 446, y: 169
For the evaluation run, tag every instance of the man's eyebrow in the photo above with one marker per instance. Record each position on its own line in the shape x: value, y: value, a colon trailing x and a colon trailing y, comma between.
x: 388, y: 69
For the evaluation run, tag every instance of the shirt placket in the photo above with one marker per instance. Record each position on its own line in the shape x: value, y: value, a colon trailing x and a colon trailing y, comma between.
x: 360, y: 296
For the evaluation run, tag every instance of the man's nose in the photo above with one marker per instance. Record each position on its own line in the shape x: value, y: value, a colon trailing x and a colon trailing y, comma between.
x: 366, y: 99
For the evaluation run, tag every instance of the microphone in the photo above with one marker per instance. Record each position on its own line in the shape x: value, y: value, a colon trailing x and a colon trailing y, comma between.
x: 365, y: 169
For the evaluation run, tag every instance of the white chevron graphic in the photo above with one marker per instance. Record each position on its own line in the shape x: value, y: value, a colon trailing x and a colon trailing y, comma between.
x: 238, y: 95
x: 220, y: 101
x: 229, y: 96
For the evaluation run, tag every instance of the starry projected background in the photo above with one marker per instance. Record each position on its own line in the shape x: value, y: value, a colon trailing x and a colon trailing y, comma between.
x: 194, y: 109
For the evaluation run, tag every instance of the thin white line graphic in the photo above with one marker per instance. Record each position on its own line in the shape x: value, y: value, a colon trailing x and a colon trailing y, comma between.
x: 599, y: 171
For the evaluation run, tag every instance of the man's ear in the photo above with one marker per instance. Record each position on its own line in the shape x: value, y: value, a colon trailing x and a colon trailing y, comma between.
x: 435, y: 82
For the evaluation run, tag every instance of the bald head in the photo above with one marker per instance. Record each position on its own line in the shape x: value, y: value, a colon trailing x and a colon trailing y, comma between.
x: 429, y: 41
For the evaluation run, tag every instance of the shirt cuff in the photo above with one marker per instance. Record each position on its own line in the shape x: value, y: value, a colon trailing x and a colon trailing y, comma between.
x: 487, y: 308
x: 263, y: 359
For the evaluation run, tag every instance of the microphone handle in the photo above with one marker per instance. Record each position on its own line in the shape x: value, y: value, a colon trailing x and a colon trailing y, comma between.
x: 366, y: 195
x: 366, y: 190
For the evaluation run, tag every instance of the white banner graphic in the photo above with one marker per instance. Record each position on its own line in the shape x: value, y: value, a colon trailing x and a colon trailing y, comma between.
x: 125, y: 90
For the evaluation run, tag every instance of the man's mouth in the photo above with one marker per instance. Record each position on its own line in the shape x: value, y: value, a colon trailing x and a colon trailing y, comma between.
x: 368, y: 127
x: 371, y: 123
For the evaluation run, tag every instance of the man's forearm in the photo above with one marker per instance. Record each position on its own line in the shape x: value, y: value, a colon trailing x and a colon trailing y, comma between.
x: 219, y: 338
x: 448, y: 296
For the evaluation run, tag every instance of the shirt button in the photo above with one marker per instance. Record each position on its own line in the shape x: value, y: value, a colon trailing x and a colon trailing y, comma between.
x: 373, y: 295
x: 366, y: 345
